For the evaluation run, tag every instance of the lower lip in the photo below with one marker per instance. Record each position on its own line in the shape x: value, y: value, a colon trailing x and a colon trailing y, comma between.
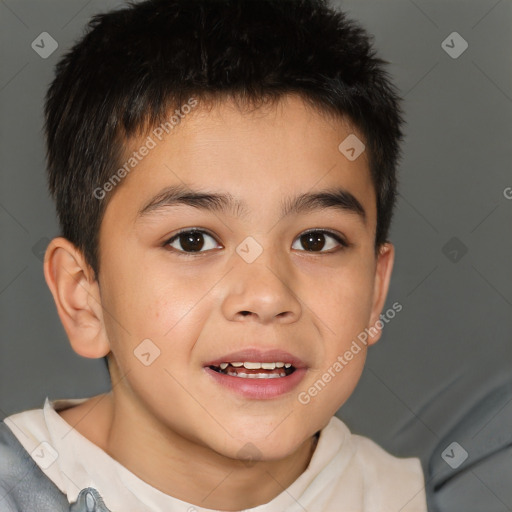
x: 259, y: 389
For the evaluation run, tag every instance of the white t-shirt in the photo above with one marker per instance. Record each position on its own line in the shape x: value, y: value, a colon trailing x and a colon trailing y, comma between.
x: 347, y: 473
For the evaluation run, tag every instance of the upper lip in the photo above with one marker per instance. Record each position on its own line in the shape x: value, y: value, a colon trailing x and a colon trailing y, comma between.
x: 258, y: 356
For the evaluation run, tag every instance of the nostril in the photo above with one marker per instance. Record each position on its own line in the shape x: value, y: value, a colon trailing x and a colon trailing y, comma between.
x: 245, y: 313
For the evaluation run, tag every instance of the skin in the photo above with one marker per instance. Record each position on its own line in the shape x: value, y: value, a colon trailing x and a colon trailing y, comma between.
x: 169, y: 422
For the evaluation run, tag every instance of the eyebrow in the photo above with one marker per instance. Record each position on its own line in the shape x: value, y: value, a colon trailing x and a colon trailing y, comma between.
x: 177, y: 195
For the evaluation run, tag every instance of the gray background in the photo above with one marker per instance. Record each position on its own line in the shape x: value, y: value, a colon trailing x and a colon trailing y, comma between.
x: 451, y: 342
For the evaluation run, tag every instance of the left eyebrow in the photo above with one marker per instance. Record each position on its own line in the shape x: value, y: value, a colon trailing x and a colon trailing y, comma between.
x: 176, y: 195
x: 337, y: 199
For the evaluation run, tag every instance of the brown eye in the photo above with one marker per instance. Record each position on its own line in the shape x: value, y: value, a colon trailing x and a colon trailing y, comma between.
x: 315, y: 241
x: 192, y: 241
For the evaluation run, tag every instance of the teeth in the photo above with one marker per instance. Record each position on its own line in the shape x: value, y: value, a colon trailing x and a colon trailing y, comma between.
x: 257, y: 375
x: 250, y: 365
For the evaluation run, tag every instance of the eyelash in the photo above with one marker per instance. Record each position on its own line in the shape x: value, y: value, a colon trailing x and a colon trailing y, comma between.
x: 343, y: 243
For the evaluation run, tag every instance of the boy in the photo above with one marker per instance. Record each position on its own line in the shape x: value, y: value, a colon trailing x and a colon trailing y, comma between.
x: 224, y: 174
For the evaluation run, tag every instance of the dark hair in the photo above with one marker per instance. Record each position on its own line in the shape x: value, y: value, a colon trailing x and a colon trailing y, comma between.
x: 136, y: 64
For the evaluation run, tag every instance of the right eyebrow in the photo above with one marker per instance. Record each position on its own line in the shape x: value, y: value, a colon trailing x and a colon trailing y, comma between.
x: 176, y: 195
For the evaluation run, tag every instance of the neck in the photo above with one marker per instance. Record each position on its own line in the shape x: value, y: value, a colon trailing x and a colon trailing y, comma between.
x: 177, y: 465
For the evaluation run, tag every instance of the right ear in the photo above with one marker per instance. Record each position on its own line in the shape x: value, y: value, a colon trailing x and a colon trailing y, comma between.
x: 77, y: 297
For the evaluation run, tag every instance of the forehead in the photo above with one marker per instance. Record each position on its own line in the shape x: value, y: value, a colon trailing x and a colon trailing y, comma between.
x: 258, y: 156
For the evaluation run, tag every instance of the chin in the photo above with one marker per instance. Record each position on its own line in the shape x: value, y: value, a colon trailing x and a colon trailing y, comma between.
x: 265, y: 447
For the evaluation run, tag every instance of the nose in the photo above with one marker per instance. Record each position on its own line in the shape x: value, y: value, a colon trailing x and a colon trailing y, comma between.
x: 260, y: 292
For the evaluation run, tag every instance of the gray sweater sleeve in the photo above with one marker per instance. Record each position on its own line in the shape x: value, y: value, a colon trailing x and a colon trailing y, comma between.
x: 25, y: 488
x: 470, y: 470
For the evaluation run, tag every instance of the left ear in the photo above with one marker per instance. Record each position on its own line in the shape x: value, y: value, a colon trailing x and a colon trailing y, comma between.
x: 384, y: 267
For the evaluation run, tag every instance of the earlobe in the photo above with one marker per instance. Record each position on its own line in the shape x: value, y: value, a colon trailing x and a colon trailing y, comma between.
x: 77, y: 298
x: 384, y: 268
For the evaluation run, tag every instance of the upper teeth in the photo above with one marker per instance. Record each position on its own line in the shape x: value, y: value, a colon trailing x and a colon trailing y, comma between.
x: 255, y: 366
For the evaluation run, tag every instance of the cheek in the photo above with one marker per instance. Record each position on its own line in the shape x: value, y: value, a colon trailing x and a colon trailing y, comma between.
x: 149, y: 301
x: 159, y: 314
x: 347, y: 311
x: 344, y: 302
x: 329, y: 387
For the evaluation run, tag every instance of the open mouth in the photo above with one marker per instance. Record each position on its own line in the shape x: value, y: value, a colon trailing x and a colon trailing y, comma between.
x: 254, y: 370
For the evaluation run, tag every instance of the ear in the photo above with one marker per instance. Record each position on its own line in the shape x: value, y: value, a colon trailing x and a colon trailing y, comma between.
x: 383, y: 270
x: 77, y: 297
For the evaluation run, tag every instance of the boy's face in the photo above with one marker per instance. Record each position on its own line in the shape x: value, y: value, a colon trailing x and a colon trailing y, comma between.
x: 253, y: 285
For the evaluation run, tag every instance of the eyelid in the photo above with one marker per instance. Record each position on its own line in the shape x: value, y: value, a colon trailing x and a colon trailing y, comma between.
x: 187, y: 230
